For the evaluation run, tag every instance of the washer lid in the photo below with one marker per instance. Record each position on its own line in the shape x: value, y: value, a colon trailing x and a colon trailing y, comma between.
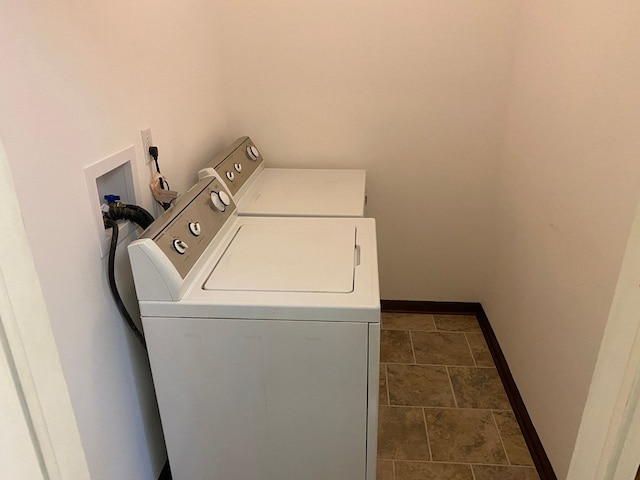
x: 288, y: 258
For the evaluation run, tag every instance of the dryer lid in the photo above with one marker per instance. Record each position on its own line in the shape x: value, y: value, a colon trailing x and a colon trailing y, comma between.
x: 305, y: 193
x: 288, y: 258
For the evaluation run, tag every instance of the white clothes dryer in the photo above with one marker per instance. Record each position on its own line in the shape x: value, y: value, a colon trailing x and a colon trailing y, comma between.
x: 263, y: 191
x: 263, y: 338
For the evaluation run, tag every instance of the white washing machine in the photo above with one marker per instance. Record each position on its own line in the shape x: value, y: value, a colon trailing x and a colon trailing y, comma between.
x: 263, y: 338
x: 282, y: 192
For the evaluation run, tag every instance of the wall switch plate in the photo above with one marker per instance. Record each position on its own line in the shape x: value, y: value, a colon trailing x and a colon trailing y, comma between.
x: 147, y: 142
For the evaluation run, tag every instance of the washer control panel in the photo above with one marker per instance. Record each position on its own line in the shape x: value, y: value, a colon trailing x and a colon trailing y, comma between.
x: 185, y: 230
x: 236, y: 163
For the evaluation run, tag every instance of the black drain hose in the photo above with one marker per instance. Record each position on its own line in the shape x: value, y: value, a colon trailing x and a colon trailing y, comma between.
x: 134, y: 213
x: 142, y: 218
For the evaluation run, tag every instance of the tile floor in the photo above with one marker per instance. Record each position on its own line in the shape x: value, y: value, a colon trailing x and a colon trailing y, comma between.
x: 444, y: 414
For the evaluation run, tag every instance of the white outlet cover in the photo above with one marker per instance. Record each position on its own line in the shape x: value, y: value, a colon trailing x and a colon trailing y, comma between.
x: 147, y: 141
x: 124, y: 158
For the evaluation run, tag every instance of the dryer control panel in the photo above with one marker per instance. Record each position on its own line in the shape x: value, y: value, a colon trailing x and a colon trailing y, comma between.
x: 184, y: 231
x: 236, y: 164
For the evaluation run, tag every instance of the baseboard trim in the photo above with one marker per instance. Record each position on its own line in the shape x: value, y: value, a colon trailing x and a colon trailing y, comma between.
x: 538, y: 454
x: 165, y: 474
x: 416, y: 306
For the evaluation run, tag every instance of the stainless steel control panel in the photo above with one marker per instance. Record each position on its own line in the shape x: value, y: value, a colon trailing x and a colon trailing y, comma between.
x: 236, y: 163
x: 185, y: 230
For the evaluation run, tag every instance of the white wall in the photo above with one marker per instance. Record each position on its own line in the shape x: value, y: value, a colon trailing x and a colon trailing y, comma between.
x: 569, y: 186
x: 79, y: 80
x: 413, y: 92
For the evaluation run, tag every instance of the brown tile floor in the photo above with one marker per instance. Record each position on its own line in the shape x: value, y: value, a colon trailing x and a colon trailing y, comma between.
x: 444, y: 414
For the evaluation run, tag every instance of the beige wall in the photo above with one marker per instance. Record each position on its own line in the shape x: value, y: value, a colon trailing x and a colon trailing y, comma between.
x: 79, y: 80
x: 569, y: 186
x: 413, y: 92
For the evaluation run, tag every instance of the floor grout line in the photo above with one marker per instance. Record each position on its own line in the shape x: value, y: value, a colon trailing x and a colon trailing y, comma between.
x: 441, y: 365
x: 475, y: 362
x: 453, y: 392
x: 426, y: 430
x: 495, y: 422
x: 408, y: 329
x: 413, y: 350
x: 447, y: 462
x: 386, y: 383
x: 393, y: 469
x: 435, y: 407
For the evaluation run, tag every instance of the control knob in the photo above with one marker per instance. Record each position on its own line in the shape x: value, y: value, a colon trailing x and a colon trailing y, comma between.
x: 220, y: 200
x: 180, y: 246
x: 194, y: 228
x: 253, y: 153
x: 231, y: 176
x: 238, y: 167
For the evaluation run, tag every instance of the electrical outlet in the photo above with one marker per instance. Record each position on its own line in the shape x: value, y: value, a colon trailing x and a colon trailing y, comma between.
x: 147, y: 142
